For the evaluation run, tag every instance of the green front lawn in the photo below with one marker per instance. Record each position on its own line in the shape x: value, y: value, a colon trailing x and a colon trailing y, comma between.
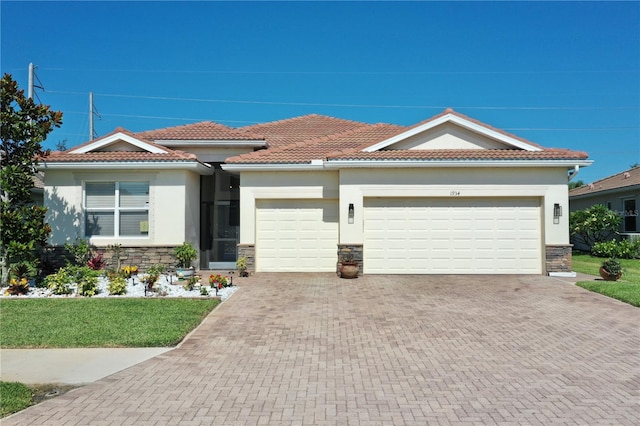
x: 14, y: 397
x: 627, y: 289
x: 108, y: 322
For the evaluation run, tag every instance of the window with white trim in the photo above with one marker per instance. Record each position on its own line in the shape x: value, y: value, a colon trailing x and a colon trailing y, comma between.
x: 116, y: 209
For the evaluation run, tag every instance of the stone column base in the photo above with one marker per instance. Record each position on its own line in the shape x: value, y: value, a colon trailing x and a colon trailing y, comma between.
x: 558, y: 258
x: 248, y: 251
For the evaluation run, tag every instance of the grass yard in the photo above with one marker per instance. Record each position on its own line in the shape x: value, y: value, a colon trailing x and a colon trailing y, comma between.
x: 104, y: 323
x: 14, y: 397
x: 627, y: 289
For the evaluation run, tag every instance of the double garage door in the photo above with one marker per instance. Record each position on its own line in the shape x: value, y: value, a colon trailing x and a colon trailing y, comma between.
x: 405, y: 236
x: 452, y: 236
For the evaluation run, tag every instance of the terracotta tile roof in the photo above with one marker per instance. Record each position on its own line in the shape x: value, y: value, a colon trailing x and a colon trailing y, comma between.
x: 319, y: 148
x: 117, y: 156
x: 624, y: 179
x: 205, y: 130
x: 302, y: 128
x: 461, y: 154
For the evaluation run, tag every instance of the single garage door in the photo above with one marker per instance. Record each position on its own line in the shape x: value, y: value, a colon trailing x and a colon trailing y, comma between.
x: 452, y: 236
x: 296, y: 235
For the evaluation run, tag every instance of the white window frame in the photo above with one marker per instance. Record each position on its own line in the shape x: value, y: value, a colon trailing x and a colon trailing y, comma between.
x: 116, y: 209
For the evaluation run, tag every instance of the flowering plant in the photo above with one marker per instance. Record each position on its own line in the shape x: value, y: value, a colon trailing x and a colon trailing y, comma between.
x: 218, y: 281
x: 130, y: 270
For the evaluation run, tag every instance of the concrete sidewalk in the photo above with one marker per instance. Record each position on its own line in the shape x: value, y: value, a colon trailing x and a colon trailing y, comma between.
x: 69, y: 366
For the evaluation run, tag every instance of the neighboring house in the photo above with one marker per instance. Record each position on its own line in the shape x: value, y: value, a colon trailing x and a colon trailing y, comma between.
x: 620, y: 192
x: 447, y: 195
x: 37, y: 192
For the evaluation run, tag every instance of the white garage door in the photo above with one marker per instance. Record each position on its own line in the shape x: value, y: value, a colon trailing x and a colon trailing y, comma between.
x: 452, y: 236
x: 296, y: 235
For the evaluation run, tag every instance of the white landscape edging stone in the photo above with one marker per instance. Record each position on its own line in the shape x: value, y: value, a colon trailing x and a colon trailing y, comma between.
x: 134, y: 289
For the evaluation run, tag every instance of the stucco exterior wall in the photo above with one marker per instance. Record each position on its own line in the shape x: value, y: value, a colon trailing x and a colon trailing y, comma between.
x: 616, y: 198
x: 352, y: 186
x: 280, y: 185
x: 449, y: 136
x: 171, y: 195
x: 550, y: 185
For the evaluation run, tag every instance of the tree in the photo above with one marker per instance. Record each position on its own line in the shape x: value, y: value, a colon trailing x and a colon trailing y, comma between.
x: 576, y: 184
x: 593, y: 225
x: 24, y: 126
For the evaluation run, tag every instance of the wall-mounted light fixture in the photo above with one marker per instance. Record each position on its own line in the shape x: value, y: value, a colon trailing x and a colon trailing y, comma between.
x: 557, y: 212
x: 350, y: 213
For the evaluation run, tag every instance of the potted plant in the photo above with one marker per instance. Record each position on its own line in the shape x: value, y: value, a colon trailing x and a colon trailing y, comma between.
x: 186, y: 254
x: 611, y: 270
x: 349, y: 268
x: 241, y: 266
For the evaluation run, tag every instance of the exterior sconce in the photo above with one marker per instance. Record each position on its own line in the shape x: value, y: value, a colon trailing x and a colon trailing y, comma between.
x: 557, y: 212
x: 350, y: 213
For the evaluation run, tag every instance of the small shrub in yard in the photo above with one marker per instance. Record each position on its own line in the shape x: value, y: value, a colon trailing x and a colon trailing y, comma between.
x: 96, y: 263
x: 191, y: 282
x: 624, y: 249
x: 204, y: 291
x: 80, y: 252
x: 117, y: 286
x: 60, y: 282
x: 17, y: 287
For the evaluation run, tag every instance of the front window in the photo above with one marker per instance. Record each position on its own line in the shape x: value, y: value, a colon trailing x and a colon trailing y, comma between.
x: 116, y: 209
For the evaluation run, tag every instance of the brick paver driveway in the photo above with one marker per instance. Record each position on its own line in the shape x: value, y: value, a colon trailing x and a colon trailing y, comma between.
x: 314, y: 349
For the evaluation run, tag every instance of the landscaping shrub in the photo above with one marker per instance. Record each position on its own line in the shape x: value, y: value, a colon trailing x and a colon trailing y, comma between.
x: 60, y: 282
x: 593, y: 225
x: 17, y: 286
x: 624, y: 249
x: 85, y: 277
x: 80, y: 252
x: 117, y: 286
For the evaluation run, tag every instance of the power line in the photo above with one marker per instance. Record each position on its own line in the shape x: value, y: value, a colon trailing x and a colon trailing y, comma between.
x: 438, y: 107
x: 342, y: 72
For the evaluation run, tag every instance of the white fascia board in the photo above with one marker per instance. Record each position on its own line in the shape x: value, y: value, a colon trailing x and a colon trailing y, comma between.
x: 132, y: 165
x: 271, y: 167
x: 115, y: 138
x: 232, y: 143
x: 462, y: 123
x: 338, y: 164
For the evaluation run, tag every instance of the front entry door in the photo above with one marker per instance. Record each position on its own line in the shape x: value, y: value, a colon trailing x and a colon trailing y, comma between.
x: 220, y: 217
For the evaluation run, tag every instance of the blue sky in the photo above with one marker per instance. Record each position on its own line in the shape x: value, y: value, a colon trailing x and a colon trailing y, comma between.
x: 561, y: 74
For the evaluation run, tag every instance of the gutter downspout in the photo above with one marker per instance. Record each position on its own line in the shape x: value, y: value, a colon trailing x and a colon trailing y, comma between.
x: 573, y: 174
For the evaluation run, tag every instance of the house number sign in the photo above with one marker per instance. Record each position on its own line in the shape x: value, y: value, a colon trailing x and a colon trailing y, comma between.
x: 454, y: 193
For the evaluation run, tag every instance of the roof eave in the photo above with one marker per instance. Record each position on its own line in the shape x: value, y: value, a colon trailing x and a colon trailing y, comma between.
x: 336, y: 164
x: 129, y: 165
x: 270, y: 167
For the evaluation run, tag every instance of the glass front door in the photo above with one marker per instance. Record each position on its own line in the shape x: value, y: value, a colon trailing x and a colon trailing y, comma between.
x: 220, y: 220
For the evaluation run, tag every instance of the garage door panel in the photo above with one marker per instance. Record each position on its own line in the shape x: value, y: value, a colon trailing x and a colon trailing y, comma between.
x: 296, y: 235
x: 452, y: 236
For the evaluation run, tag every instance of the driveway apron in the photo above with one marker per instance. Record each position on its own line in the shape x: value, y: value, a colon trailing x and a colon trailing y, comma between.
x: 314, y: 349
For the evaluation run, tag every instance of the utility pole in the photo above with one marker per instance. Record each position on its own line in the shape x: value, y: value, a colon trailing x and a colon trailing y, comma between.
x: 91, y: 116
x: 30, y: 90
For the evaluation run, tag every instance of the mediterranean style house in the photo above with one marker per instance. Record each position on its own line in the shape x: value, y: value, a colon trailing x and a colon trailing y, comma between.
x: 449, y: 195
